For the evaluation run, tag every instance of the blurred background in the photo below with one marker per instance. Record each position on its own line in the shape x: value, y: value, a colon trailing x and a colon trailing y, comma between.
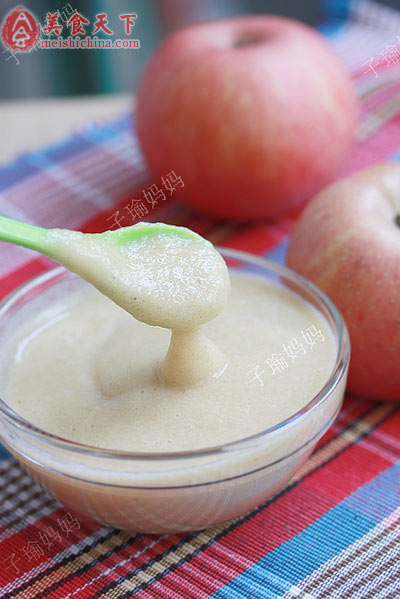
x: 101, y: 71
x: 46, y: 94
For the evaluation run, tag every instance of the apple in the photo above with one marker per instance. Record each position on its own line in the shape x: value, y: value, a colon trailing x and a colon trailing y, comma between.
x: 347, y: 241
x: 255, y: 113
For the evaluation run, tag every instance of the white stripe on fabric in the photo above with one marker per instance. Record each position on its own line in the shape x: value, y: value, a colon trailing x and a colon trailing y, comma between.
x: 335, y: 569
x: 374, y: 14
x: 13, y: 257
x: 117, y: 565
x: 9, y: 210
x: 80, y: 545
x: 59, y: 173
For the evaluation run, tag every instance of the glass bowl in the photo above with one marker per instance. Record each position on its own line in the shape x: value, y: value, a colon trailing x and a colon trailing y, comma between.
x: 176, y: 491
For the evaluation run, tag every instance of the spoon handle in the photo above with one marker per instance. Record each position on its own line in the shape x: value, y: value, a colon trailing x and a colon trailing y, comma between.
x: 19, y: 233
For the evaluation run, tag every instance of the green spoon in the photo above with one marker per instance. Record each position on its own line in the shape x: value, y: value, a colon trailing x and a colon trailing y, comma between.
x: 39, y: 239
x: 147, y: 269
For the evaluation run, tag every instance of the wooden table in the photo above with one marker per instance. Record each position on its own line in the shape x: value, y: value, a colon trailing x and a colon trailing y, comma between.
x: 30, y: 124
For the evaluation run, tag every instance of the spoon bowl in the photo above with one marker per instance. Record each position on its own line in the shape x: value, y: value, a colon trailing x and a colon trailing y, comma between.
x: 163, y: 275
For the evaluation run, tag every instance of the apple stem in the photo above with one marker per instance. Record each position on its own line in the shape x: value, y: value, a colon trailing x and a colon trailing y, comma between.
x: 240, y: 43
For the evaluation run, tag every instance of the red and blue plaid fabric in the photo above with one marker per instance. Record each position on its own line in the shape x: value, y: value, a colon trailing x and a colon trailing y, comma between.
x: 333, y: 531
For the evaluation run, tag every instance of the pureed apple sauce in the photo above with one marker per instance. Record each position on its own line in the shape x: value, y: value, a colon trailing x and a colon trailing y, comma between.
x: 95, y: 375
x: 84, y: 369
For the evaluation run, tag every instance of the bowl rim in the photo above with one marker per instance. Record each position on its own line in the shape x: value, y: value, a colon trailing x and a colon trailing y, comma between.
x: 335, y: 377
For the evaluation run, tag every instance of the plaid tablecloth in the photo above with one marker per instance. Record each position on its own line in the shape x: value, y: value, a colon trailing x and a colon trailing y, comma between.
x: 333, y: 531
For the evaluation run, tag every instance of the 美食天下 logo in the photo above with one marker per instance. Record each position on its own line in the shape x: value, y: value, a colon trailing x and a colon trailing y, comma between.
x: 20, y: 31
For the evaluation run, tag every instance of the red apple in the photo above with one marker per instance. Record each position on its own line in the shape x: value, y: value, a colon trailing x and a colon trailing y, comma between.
x: 347, y: 241
x: 254, y: 113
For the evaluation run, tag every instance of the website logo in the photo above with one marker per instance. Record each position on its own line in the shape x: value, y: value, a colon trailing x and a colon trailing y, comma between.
x: 20, y: 30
